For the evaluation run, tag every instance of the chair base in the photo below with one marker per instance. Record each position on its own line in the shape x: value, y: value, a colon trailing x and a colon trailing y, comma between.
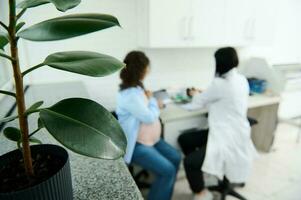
x: 142, y: 184
x: 225, y: 188
x: 143, y: 174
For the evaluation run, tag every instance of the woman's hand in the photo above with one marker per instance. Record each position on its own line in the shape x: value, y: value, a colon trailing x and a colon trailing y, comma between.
x: 148, y: 94
x: 160, y: 104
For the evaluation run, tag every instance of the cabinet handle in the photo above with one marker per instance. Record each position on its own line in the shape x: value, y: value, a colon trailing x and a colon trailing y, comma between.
x: 183, y: 28
x: 247, y: 29
x: 190, y: 28
x: 253, y: 28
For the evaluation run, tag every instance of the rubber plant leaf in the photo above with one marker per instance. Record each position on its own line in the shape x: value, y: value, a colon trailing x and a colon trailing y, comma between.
x: 34, y: 107
x: 19, y: 26
x: 85, y: 127
x: 35, y: 140
x: 3, y: 40
x: 84, y: 62
x: 61, y: 5
x: 40, y: 124
x: 8, y: 119
x: 12, y: 133
x: 68, y: 26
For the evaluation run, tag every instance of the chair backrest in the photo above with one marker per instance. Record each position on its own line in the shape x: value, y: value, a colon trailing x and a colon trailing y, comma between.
x: 252, y: 121
x: 114, y: 114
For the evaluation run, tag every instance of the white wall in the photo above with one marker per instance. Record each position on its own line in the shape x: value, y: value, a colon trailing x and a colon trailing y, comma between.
x: 287, y: 34
x: 113, y: 41
x: 286, y: 47
x: 178, y: 68
x: 298, y: 8
x: 170, y: 67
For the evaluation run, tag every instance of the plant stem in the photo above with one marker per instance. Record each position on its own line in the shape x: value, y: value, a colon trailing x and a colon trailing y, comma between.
x: 3, y: 25
x: 7, y: 93
x: 19, y: 89
x: 21, y: 13
x: 6, y: 56
x: 38, y: 129
x: 32, y: 68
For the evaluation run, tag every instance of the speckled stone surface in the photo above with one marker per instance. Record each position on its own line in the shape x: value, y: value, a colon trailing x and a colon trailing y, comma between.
x: 93, y: 179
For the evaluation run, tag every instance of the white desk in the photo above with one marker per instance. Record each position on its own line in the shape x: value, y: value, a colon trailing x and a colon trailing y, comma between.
x: 261, y: 107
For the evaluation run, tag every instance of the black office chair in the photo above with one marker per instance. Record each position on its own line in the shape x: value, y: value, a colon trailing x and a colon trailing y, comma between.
x: 140, y: 176
x: 225, y: 187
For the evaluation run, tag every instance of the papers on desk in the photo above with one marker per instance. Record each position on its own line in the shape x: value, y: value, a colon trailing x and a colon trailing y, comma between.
x: 190, y: 107
x: 163, y: 96
x: 167, y: 101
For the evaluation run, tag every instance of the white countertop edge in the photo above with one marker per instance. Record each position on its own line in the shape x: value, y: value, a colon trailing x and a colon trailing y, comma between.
x: 174, y: 112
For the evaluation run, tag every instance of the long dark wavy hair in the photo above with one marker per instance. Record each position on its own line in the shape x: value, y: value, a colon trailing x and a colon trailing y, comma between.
x: 136, y: 66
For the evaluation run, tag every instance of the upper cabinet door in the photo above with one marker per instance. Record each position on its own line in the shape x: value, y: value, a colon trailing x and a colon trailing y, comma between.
x: 163, y: 23
x: 263, y: 22
x: 208, y: 23
x: 221, y: 23
x: 238, y: 22
x: 204, y: 23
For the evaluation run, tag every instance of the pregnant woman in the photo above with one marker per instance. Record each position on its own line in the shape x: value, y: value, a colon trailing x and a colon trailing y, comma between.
x: 138, y: 113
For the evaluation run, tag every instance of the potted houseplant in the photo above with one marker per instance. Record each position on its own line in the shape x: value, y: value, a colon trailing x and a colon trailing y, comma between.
x: 83, y: 126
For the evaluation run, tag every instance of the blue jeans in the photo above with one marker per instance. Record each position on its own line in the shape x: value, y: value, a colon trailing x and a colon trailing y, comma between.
x: 163, y: 160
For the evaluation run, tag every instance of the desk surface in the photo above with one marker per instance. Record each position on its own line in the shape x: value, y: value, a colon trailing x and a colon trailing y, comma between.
x: 174, y: 112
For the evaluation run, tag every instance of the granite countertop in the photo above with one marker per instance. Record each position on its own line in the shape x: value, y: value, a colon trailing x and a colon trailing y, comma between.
x: 92, y: 179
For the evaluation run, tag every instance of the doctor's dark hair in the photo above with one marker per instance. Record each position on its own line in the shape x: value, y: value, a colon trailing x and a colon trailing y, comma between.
x: 136, y: 66
x: 226, y: 59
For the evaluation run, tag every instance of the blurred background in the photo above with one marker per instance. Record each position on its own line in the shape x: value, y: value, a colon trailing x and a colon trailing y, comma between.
x: 180, y: 38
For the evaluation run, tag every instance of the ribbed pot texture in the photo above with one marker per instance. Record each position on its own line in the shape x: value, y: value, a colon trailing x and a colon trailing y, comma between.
x: 57, y: 187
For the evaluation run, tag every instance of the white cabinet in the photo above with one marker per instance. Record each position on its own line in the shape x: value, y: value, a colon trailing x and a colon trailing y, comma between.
x: 179, y: 23
x: 163, y: 23
x: 264, y: 19
x: 237, y: 22
x: 261, y: 22
x: 221, y: 22
x: 209, y: 26
x: 204, y: 23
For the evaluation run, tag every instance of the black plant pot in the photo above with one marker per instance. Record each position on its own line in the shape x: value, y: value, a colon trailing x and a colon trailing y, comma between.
x: 57, y: 187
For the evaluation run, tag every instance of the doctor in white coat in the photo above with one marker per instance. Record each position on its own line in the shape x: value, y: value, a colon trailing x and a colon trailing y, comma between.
x: 227, y: 149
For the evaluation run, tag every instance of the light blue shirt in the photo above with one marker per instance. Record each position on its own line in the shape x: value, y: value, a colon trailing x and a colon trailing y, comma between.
x: 131, y: 111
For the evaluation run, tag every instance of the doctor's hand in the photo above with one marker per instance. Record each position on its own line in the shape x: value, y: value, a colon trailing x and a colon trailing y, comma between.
x: 192, y: 91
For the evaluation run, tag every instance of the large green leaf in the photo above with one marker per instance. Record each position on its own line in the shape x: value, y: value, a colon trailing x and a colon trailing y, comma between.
x: 85, y: 127
x: 61, y: 5
x: 12, y: 133
x: 68, y: 26
x: 40, y: 124
x: 3, y: 40
x: 84, y: 62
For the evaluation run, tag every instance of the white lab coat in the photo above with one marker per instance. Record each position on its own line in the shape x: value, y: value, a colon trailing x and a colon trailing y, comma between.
x: 230, y: 150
